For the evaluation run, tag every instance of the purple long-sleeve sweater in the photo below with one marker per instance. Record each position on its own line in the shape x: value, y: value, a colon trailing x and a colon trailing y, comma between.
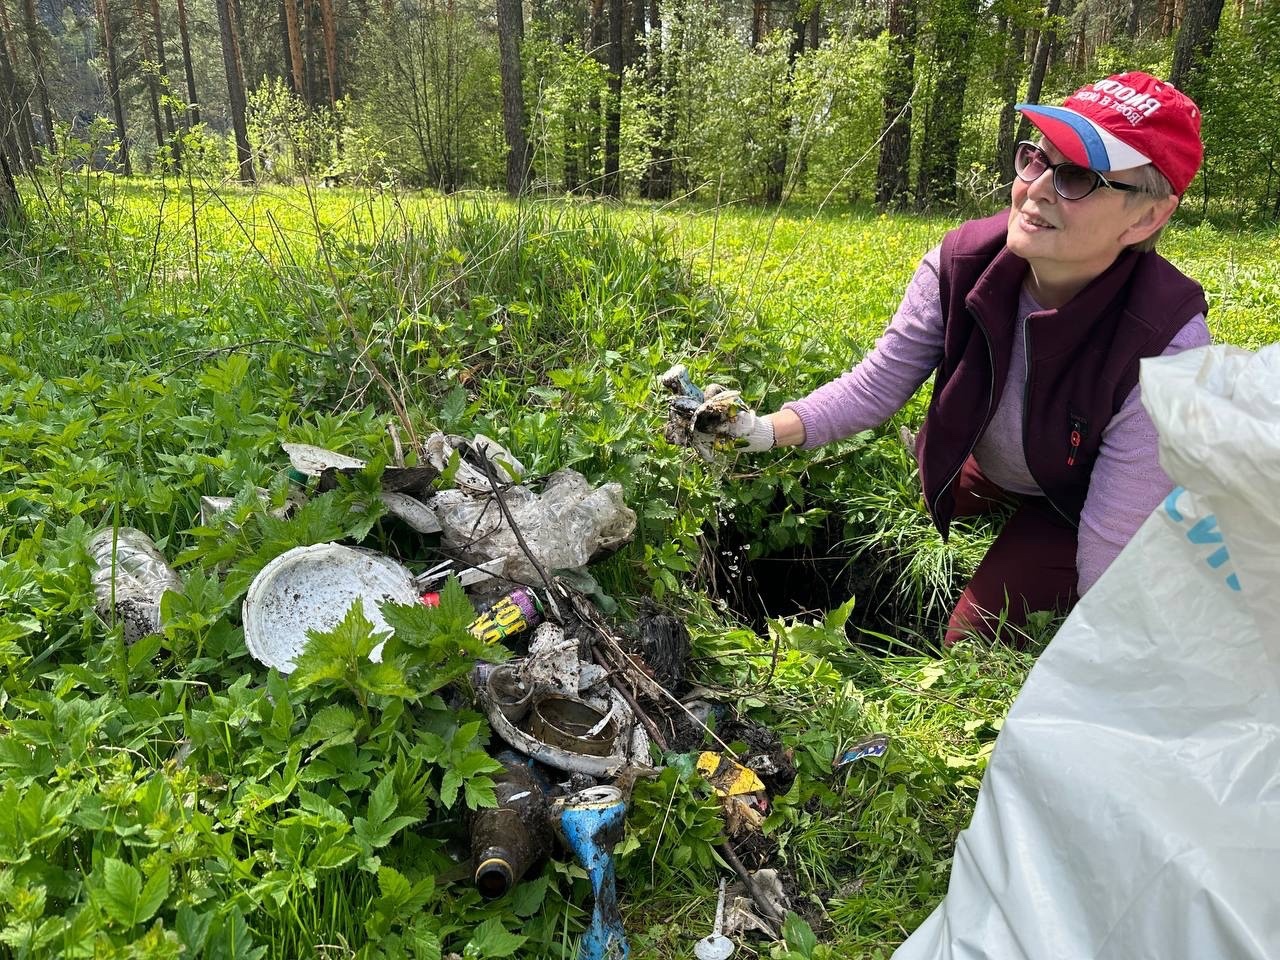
x: 1127, y: 481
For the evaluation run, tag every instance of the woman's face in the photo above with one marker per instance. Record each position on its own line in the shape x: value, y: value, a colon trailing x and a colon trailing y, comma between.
x: 1074, y: 236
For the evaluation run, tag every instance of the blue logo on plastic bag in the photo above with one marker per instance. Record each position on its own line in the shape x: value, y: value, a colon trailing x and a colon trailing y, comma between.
x: 1203, y: 533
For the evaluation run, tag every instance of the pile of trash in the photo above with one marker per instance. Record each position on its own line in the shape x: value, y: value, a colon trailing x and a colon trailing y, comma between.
x: 582, y: 708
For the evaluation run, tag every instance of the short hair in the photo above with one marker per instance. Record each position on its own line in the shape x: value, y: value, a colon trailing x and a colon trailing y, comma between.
x: 1150, y: 183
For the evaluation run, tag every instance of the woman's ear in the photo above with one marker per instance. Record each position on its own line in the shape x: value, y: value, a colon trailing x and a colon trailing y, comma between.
x: 1148, y: 218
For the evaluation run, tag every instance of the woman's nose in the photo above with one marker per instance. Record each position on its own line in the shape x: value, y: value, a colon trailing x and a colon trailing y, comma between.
x: 1041, y: 189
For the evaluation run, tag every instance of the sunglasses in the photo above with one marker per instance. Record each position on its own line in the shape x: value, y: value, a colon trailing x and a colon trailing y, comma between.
x: 1070, y: 180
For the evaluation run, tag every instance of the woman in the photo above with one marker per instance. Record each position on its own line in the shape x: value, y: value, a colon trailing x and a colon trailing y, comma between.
x: 1034, y: 322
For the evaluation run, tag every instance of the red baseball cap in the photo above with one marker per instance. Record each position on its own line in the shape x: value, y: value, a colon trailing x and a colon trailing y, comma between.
x: 1126, y: 121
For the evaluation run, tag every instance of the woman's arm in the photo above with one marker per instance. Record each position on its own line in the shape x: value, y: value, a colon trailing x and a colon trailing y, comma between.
x: 902, y: 359
x: 1127, y: 482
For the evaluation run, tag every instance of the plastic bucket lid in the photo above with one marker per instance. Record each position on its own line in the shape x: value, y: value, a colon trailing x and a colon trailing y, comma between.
x: 312, y: 588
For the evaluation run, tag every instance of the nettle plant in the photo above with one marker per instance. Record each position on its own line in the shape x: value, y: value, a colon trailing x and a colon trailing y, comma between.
x: 261, y: 817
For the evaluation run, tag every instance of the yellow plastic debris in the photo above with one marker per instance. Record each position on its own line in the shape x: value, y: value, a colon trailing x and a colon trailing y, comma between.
x: 727, y: 778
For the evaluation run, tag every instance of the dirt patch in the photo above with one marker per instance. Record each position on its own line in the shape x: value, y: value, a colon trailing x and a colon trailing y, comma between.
x: 807, y: 581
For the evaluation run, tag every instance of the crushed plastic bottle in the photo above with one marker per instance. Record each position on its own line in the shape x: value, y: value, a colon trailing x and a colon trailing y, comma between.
x: 130, y: 584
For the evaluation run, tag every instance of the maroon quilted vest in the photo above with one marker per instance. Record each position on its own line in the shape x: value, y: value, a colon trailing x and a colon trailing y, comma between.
x: 1082, y: 360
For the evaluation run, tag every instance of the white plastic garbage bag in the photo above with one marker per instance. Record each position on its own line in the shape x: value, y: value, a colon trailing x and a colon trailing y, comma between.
x: 1132, y: 805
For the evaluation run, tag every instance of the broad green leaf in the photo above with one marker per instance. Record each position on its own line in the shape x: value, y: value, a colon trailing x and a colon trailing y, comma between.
x: 799, y: 935
x: 527, y: 897
x: 384, y: 679
x: 335, y: 655
x: 121, y: 891
x: 382, y: 801
x: 153, y: 896
x: 333, y: 725
x: 478, y: 792
x: 192, y: 928
x: 329, y: 855
x: 492, y: 939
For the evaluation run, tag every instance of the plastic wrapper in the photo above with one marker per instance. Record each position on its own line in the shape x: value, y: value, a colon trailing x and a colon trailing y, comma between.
x: 1132, y: 804
x: 564, y: 526
x: 130, y: 580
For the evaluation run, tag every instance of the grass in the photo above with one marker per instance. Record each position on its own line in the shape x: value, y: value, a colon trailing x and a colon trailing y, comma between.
x: 158, y: 341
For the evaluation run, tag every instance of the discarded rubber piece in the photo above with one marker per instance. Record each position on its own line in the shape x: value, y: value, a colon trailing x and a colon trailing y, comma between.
x: 312, y: 588
x: 591, y: 823
x: 468, y: 473
x: 130, y: 577
x: 312, y: 461
x: 416, y: 514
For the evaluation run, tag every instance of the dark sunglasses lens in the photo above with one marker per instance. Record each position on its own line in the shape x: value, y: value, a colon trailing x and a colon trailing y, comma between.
x: 1074, y: 182
x: 1028, y: 161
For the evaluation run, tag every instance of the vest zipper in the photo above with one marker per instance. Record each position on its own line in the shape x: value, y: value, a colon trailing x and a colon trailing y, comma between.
x: 1026, y: 395
x: 991, y: 400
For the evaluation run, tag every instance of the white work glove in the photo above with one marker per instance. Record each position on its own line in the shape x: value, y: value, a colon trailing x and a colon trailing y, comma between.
x: 712, y: 420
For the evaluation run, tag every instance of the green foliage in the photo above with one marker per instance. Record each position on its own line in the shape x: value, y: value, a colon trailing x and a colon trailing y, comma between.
x: 290, y: 140
x: 1246, y: 58
x: 426, y: 81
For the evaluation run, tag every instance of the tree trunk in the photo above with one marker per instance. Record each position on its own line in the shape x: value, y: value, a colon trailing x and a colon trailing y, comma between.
x: 612, y: 185
x: 294, y: 48
x: 15, y: 96
x: 953, y: 49
x: 1041, y: 63
x: 776, y: 175
x: 1011, y: 73
x: 163, y: 63
x: 572, y: 159
x: 1081, y: 49
x: 815, y: 25
x: 893, y: 170
x: 152, y: 79
x: 10, y: 203
x: 192, y: 113
x: 759, y: 21
x: 597, y: 33
x: 1194, y: 46
x: 514, y: 121
x: 657, y: 181
x: 12, y: 125
x: 311, y: 61
x: 330, y: 50
x: 37, y: 68
x: 1133, y: 20
x: 113, y: 84
x: 230, y: 34
x: 17, y: 93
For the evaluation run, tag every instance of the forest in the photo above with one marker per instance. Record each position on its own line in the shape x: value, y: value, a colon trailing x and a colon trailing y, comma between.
x: 905, y: 105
